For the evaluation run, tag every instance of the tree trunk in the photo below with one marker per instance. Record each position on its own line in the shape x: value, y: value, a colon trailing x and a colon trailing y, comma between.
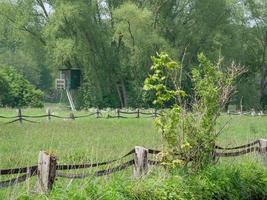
x: 119, y: 94
x: 124, y: 94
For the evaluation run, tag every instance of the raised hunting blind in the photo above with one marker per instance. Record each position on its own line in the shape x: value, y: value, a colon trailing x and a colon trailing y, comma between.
x: 70, y: 79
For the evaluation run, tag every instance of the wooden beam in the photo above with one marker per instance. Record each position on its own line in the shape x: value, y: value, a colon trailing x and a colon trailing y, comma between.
x: 140, y: 161
x: 46, y: 172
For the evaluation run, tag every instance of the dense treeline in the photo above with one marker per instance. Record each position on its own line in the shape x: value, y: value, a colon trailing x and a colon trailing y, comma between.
x: 112, y: 41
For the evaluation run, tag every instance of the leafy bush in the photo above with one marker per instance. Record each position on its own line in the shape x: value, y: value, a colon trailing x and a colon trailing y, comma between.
x: 190, y: 136
x: 15, y: 91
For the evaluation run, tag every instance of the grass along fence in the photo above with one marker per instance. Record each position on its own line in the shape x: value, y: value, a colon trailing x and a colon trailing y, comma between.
x: 251, y: 113
x: 48, y: 169
x: 119, y: 113
x: 98, y: 114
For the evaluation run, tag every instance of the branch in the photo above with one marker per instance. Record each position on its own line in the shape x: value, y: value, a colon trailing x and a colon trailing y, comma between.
x: 24, y: 28
x: 41, y: 4
x: 129, y: 28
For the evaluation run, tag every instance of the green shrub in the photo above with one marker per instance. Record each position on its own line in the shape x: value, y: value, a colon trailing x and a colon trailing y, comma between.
x: 15, y: 91
x: 190, y: 136
x: 246, y: 181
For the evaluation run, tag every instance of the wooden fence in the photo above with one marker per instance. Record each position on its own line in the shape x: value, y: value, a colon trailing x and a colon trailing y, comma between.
x: 119, y: 114
x: 98, y: 114
x: 48, y: 169
x: 252, y: 113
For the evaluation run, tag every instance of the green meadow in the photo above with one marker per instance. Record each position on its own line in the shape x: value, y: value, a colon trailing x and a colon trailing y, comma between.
x: 93, y: 140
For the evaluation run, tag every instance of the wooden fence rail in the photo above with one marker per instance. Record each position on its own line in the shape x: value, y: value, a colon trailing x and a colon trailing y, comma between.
x: 48, y: 169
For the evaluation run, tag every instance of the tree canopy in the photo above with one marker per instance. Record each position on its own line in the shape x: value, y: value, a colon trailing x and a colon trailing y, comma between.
x: 112, y: 42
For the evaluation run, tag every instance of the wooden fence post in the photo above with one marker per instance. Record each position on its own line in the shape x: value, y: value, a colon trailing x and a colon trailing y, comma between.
x: 28, y: 174
x: 140, y: 161
x: 118, y: 113
x: 72, y: 116
x: 46, y: 172
x: 49, y: 114
x: 138, y: 113
x: 97, y: 113
x: 19, y: 115
x: 155, y: 113
x: 263, y: 149
x: 263, y: 146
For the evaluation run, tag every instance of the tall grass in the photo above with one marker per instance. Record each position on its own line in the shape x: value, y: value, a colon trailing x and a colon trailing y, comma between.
x: 90, y: 140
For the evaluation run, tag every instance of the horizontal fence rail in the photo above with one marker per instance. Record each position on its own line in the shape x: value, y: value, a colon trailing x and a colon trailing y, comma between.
x: 98, y: 173
x: 14, y: 181
x: 90, y: 165
x: 28, y: 172
x: 17, y: 170
x: 48, y: 169
x: 259, y: 146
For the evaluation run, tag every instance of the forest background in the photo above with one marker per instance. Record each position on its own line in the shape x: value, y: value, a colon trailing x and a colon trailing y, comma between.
x: 112, y: 42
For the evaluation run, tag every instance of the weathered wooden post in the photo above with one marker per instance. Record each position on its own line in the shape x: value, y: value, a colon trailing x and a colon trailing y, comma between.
x: 155, y: 113
x: 72, y: 116
x: 118, y: 113
x: 263, y: 149
x: 19, y: 115
x: 263, y: 145
x: 97, y: 113
x: 140, y: 161
x: 46, y: 172
x: 28, y: 174
x: 138, y: 113
x: 49, y: 114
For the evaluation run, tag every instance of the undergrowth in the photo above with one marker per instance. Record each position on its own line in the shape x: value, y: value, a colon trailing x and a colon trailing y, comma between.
x: 221, y: 182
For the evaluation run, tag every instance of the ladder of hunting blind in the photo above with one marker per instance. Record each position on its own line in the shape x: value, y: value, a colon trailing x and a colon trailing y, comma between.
x: 70, y: 100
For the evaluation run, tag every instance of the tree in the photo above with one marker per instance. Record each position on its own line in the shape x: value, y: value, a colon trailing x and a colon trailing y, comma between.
x: 21, y: 40
x: 16, y: 91
x: 133, y: 47
x: 257, y: 18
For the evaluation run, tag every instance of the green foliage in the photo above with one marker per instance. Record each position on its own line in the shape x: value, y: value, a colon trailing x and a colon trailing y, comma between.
x: 21, y: 45
x: 17, y: 91
x: 165, y: 70
x: 112, y: 41
x: 190, y: 136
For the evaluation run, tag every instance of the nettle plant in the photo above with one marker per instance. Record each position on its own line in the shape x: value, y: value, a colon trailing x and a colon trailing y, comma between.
x: 190, y: 135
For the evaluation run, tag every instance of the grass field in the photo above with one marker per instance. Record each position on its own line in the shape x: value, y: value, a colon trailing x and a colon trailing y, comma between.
x: 91, y: 139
